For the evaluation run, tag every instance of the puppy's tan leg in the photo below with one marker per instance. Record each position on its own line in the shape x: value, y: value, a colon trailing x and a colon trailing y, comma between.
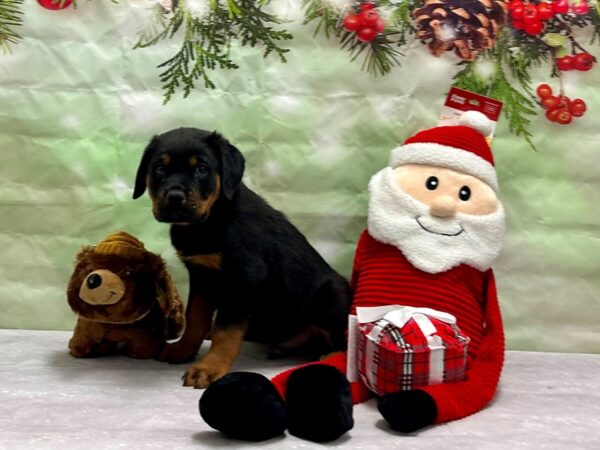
x: 225, y: 347
x: 198, y: 318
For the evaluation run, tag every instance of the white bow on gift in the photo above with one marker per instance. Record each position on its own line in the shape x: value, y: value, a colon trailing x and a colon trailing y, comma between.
x: 398, y: 316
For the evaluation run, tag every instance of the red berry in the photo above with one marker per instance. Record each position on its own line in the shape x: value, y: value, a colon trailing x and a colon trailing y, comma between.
x: 550, y: 102
x: 551, y: 114
x: 351, y: 22
x: 368, y: 17
x: 581, y: 8
x: 533, y: 28
x: 55, y: 5
x: 530, y: 13
x: 518, y: 24
x: 565, y: 63
x: 366, y: 34
x: 577, y: 107
x: 561, y: 7
x: 564, y: 117
x: 366, y: 5
x: 517, y: 12
x: 545, y: 10
x: 543, y: 91
x: 513, y: 4
x: 583, y: 61
x: 380, y: 25
x: 564, y: 102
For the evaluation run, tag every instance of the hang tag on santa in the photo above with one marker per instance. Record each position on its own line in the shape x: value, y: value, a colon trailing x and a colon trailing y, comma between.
x: 459, y: 101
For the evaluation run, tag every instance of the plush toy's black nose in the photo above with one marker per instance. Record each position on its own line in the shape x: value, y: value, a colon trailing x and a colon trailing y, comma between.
x: 94, y: 280
x: 175, y: 197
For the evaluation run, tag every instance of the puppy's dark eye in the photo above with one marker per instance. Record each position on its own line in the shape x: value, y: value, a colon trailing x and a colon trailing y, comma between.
x: 465, y: 193
x: 160, y: 170
x: 432, y: 183
x: 202, y: 169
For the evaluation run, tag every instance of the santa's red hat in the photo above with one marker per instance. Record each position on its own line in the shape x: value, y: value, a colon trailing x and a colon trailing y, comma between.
x: 462, y: 147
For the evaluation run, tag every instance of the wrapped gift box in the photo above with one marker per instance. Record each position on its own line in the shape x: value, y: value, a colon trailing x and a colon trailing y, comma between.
x: 403, y: 348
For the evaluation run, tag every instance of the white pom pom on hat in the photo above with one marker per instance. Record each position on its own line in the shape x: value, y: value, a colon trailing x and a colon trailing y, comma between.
x: 460, y: 147
x: 478, y: 121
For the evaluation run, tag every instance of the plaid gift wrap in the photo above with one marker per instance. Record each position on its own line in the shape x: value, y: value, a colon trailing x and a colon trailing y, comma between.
x: 402, y: 348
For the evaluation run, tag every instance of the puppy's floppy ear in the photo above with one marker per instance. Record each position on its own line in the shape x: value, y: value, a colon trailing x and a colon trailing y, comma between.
x: 142, y: 172
x: 232, y: 164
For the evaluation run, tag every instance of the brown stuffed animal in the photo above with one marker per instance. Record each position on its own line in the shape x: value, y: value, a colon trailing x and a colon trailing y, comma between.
x: 122, y: 294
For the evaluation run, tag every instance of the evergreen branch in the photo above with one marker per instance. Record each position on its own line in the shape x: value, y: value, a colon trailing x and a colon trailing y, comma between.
x: 252, y: 28
x: 10, y: 17
x: 518, y: 108
x: 402, y: 19
x: 207, y: 41
x: 380, y: 55
x: 328, y: 18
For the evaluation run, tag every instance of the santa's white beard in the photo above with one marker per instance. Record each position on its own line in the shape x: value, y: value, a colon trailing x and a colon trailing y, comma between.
x: 431, y: 244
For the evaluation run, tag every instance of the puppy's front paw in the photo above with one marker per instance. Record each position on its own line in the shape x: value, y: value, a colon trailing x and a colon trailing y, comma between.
x: 205, y: 372
x: 177, y: 353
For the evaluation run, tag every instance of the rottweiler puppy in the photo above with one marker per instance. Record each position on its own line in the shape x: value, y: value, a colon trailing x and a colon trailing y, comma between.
x: 252, y: 274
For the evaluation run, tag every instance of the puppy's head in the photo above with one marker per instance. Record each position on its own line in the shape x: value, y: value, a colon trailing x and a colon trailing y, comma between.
x: 187, y: 171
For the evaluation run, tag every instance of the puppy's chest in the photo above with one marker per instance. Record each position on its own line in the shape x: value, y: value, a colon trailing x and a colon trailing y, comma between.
x: 210, y: 261
x: 202, y: 250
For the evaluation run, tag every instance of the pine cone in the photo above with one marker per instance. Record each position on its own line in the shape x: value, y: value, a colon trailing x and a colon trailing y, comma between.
x: 465, y: 26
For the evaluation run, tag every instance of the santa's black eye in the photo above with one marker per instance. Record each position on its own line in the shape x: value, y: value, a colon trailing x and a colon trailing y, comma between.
x: 465, y: 193
x: 432, y: 183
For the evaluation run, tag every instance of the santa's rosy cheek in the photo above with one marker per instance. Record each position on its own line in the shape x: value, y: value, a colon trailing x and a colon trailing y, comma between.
x: 477, y: 201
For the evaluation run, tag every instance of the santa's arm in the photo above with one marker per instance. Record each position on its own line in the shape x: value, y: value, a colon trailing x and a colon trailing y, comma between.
x: 458, y: 400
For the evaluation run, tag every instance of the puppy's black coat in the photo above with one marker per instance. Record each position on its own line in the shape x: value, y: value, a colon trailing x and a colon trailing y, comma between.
x: 245, y: 259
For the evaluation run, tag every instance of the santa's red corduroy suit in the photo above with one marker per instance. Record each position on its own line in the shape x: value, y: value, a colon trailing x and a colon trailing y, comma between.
x: 443, y: 262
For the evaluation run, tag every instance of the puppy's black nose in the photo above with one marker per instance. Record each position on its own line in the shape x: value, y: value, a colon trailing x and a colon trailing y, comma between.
x: 94, y: 280
x: 175, y: 197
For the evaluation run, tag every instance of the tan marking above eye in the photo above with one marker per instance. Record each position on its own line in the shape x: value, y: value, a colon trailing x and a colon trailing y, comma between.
x: 193, y: 161
x: 166, y: 159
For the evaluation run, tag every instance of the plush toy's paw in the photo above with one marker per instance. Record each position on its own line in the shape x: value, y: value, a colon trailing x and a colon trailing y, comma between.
x: 177, y: 353
x: 244, y: 405
x: 408, y: 411
x: 142, y: 350
x: 319, y: 403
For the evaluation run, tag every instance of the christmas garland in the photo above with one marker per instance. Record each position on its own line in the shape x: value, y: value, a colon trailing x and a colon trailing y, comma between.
x: 496, y: 42
x: 209, y: 29
x: 10, y: 17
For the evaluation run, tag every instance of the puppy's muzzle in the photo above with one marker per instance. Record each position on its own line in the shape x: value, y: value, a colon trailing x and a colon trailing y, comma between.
x: 175, y: 198
x: 102, y: 287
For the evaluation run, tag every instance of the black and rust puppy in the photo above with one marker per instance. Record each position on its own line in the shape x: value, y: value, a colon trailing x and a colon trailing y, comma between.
x: 252, y: 274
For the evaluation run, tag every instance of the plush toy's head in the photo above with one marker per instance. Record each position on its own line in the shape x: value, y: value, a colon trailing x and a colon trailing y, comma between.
x: 438, y: 199
x: 118, y: 281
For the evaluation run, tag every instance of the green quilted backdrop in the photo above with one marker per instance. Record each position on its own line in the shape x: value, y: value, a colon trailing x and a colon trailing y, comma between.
x: 78, y: 105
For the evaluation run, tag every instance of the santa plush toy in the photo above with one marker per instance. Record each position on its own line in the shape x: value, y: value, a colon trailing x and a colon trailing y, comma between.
x: 435, y: 225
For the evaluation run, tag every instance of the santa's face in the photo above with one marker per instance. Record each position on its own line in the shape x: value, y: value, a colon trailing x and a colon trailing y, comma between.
x: 438, y: 217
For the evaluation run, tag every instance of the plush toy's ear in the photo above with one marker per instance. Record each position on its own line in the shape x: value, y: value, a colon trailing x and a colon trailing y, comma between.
x: 171, y: 304
x: 84, y: 253
x: 142, y: 172
x: 232, y: 164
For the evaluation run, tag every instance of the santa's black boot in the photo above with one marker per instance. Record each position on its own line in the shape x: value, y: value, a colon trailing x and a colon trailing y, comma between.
x: 319, y: 403
x: 245, y: 406
x: 408, y: 411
